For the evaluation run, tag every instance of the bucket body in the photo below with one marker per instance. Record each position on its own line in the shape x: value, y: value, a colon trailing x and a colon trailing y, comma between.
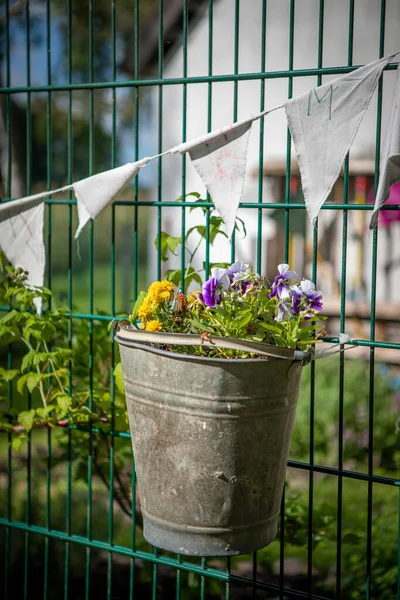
x: 211, y: 441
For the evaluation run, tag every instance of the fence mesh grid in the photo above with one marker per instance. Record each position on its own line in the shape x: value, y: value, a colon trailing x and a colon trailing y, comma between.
x: 207, y: 578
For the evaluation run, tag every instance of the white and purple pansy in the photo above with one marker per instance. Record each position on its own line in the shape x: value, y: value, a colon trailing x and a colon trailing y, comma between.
x: 306, y: 299
x: 280, y: 287
x: 241, y: 277
x: 238, y: 271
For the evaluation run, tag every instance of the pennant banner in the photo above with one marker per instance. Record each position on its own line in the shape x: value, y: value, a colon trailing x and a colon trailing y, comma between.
x: 390, y: 158
x: 21, y: 238
x: 95, y: 193
x: 220, y: 158
x: 324, y: 123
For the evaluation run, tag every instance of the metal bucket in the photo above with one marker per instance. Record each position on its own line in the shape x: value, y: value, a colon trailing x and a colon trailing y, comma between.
x: 211, y: 441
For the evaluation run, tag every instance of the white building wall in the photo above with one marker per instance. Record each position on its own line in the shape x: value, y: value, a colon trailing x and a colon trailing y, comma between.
x: 335, y: 50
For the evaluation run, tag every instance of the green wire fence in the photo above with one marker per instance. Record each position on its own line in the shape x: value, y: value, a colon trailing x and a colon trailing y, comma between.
x: 144, y: 574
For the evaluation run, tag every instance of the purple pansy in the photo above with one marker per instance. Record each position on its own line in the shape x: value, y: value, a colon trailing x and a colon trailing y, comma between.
x: 280, y: 288
x: 211, y: 289
x: 297, y: 295
x: 209, y: 295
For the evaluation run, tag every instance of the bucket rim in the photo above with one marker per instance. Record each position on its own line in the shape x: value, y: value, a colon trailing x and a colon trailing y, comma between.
x: 192, y: 357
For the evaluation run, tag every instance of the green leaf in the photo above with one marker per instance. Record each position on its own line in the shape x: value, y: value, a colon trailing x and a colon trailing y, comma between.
x: 195, y: 194
x: 243, y: 319
x: 39, y: 358
x: 83, y: 415
x: 192, y: 275
x: 201, y: 229
x: 44, y: 411
x: 81, y: 471
x: 10, y: 316
x: 48, y: 331
x: 64, y: 402
x: 60, y: 356
x: 5, y: 425
x: 27, y: 361
x: 166, y: 242
x: 21, y: 383
x: 26, y: 418
x: 30, y: 324
x: 222, y: 265
x: 268, y: 327
x: 119, y: 379
x: 8, y: 375
x: 174, y: 275
x: 215, y: 228
x: 7, y: 335
x: 243, y: 226
x: 351, y: 538
x: 194, y: 203
x: 33, y: 380
x: 138, y: 304
x: 16, y: 443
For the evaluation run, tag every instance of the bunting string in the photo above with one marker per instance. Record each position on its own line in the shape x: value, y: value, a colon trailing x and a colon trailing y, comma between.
x: 323, y: 124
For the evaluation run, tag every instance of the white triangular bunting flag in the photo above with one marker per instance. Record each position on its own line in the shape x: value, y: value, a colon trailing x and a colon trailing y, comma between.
x: 21, y: 237
x: 220, y: 159
x: 95, y: 193
x: 324, y: 123
x: 390, y: 158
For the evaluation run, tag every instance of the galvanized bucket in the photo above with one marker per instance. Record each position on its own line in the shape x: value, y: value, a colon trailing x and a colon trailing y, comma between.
x: 211, y: 441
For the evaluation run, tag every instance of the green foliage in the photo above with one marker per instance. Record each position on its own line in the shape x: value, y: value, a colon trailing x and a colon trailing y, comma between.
x: 66, y: 368
x: 174, y: 275
x: 354, y: 505
x: 46, y: 357
x: 119, y: 380
x: 15, y: 551
x: 354, y: 519
x: 356, y: 418
x: 295, y: 520
x: 386, y: 459
x: 166, y: 243
x: 209, y: 231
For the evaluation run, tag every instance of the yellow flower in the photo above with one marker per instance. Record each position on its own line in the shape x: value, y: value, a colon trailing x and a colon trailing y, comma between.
x: 159, y: 291
x: 145, y: 311
x: 153, y: 325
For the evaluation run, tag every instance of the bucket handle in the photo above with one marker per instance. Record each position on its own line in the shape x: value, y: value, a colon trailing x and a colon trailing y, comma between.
x: 126, y: 332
